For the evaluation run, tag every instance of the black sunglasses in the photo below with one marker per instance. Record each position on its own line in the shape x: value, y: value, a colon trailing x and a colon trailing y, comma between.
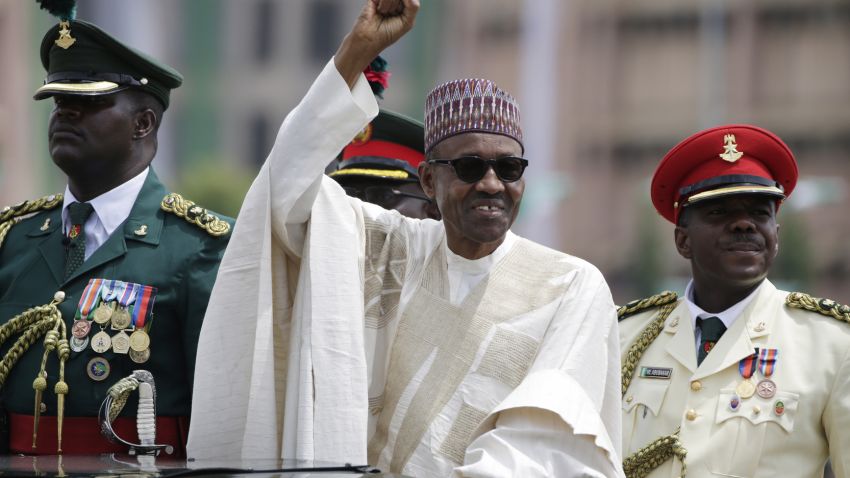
x: 472, y: 169
x: 382, y: 195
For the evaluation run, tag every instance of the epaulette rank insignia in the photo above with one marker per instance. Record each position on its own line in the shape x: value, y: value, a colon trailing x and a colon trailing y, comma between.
x: 799, y: 300
x: 10, y: 215
x: 640, y: 305
x: 194, y: 214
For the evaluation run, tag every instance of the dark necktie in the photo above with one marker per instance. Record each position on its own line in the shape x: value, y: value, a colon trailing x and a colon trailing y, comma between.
x: 78, y: 214
x: 711, y: 329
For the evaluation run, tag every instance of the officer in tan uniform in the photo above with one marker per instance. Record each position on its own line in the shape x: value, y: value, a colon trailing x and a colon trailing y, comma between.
x: 736, y: 378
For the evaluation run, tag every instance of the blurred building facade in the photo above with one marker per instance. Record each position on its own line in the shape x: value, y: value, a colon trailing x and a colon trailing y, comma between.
x: 607, y: 87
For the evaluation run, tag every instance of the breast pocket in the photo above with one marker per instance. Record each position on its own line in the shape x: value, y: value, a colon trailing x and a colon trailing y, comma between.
x: 641, y: 407
x: 740, y: 429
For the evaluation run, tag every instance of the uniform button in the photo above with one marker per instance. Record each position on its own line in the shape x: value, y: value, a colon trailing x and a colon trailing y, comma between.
x: 756, y: 410
x: 691, y: 415
x: 629, y: 399
x: 42, y: 407
x: 59, y: 296
x: 696, y: 385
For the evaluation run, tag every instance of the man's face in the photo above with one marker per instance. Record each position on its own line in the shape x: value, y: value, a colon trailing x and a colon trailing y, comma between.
x: 91, y: 136
x: 730, y: 241
x: 405, y: 197
x: 476, y: 215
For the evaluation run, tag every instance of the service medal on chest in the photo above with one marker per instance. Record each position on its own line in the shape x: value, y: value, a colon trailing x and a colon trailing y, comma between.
x: 140, y: 340
x: 140, y: 357
x: 766, y: 388
x: 745, y: 389
x: 80, y: 328
x: 103, y: 313
x: 101, y: 342
x: 121, y: 318
x: 121, y: 343
x: 79, y: 344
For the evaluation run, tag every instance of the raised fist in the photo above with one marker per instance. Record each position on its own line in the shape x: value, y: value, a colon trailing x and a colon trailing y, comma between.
x: 380, y: 24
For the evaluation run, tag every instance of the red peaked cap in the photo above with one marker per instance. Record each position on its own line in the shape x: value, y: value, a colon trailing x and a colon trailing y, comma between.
x: 390, y: 147
x: 720, y: 161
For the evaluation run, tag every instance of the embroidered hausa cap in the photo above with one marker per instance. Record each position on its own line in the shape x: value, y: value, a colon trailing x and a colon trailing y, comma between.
x: 470, y: 105
x: 720, y: 161
x: 390, y: 147
x: 82, y: 59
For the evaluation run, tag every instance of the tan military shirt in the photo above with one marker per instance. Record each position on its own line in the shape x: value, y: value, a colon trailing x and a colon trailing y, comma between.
x: 789, y: 434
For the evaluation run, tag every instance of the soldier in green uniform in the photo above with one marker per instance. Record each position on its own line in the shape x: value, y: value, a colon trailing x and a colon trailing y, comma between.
x: 110, y: 277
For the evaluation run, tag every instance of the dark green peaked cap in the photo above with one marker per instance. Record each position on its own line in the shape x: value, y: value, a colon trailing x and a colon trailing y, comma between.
x: 82, y: 59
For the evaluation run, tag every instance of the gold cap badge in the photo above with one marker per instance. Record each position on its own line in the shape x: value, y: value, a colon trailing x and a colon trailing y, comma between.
x: 730, y: 149
x: 65, y: 39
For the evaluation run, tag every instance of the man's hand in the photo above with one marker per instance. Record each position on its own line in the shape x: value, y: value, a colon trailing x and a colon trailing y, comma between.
x: 380, y: 24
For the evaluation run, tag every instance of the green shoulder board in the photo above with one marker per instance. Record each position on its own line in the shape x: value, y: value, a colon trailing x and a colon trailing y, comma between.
x: 194, y: 214
x: 640, y: 305
x: 11, y: 215
x: 799, y: 300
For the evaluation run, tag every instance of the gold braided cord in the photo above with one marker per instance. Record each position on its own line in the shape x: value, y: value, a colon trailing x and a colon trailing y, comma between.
x: 641, y: 463
x: 54, y: 339
x: 639, y: 305
x: 27, y: 207
x: 194, y: 214
x: 828, y: 307
x: 32, y: 324
x: 650, y: 457
x: 24, y: 342
x: 63, y: 350
x: 4, y: 229
x: 23, y: 320
x: 10, y: 214
x: 644, y: 340
x: 120, y: 392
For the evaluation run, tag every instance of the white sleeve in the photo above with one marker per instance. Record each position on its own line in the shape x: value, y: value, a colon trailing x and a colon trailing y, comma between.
x: 562, y: 419
x: 313, y: 133
x: 532, y: 442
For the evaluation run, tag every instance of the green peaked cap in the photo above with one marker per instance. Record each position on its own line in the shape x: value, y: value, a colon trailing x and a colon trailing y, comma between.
x: 82, y: 59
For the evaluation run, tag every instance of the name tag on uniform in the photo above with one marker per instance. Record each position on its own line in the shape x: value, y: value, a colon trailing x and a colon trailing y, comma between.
x: 656, y: 372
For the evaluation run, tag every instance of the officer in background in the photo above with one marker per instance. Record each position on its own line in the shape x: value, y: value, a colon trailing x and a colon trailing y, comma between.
x: 736, y: 378
x: 111, y: 276
x: 381, y: 163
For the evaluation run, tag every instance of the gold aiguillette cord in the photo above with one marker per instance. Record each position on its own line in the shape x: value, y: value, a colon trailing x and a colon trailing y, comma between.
x: 55, y: 339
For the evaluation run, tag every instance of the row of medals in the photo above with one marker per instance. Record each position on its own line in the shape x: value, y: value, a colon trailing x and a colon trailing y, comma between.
x: 765, y: 388
x: 136, y: 345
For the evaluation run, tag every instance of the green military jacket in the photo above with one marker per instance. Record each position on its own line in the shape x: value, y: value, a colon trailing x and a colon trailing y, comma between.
x: 153, y: 247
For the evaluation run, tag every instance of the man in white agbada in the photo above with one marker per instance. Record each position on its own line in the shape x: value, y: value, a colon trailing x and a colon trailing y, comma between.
x: 340, y: 331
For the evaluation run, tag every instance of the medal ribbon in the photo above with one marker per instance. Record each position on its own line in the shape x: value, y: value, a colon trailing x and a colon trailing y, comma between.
x: 113, y: 289
x: 767, y: 361
x: 747, y: 366
x: 144, y: 305
x: 129, y: 294
x: 89, y: 297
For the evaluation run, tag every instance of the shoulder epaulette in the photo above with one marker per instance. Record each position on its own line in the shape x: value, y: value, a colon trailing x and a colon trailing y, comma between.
x: 194, y: 214
x: 28, y: 207
x: 640, y: 305
x: 799, y: 300
x: 10, y: 215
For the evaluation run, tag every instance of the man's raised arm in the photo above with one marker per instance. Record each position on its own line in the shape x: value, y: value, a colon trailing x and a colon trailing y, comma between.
x: 339, y: 104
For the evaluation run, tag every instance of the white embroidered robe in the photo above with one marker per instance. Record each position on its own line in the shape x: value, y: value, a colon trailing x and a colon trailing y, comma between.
x: 331, y: 335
